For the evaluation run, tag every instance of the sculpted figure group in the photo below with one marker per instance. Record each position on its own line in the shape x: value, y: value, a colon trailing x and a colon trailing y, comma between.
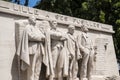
x: 58, y: 51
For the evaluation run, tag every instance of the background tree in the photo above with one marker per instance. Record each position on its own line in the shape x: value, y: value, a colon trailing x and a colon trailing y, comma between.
x: 104, y: 11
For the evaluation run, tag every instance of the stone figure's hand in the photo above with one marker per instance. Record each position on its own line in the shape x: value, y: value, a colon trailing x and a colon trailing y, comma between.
x: 70, y: 56
x: 42, y: 39
x: 63, y: 38
x: 86, y: 50
x: 80, y: 56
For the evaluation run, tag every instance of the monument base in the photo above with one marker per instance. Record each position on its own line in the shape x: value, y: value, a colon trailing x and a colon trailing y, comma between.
x: 97, y: 77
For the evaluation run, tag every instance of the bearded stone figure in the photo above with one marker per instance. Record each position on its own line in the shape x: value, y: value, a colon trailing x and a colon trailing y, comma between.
x: 87, y: 50
x: 59, y: 56
x: 33, y: 50
x: 74, y: 53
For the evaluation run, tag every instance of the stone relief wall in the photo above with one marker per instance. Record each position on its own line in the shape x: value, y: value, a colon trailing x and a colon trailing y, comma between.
x: 100, y: 43
x: 26, y: 11
x: 100, y: 34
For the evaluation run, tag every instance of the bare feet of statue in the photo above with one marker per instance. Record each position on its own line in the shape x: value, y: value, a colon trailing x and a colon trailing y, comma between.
x: 51, y: 78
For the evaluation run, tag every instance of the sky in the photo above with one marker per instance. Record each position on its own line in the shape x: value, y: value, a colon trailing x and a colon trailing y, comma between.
x: 30, y: 4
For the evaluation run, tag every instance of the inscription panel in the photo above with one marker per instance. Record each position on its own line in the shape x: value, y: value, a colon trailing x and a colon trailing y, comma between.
x: 100, y: 65
x: 40, y: 14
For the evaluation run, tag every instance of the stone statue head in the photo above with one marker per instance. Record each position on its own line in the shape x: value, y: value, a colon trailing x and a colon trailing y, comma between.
x: 84, y: 28
x: 32, y: 20
x: 71, y: 29
x: 53, y: 24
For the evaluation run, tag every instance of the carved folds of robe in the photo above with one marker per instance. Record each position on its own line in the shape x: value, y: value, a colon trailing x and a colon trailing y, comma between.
x: 31, y: 51
x: 74, y: 51
x: 87, y: 52
x: 59, y: 54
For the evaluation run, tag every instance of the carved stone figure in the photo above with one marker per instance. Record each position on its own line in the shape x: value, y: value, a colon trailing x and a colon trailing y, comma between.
x: 58, y: 52
x: 32, y: 51
x: 87, y: 51
x: 47, y: 57
x: 74, y: 53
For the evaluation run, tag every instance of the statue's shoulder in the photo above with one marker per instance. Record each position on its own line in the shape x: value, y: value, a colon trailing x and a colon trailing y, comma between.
x: 22, y: 23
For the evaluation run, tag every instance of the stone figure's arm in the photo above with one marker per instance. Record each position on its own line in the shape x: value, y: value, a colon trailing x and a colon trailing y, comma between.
x: 64, y: 37
x: 79, y: 55
x: 79, y: 37
x: 35, y: 37
x: 55, y: 35
x: 91, y: 45
x: 69, y: 48
x: 69, y: 53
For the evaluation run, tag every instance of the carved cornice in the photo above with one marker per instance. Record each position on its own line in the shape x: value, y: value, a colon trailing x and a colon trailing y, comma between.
x: 6, y: 7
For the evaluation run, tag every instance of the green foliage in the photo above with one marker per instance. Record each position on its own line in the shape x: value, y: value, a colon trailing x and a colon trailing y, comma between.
x: 85, y: 6
x: 118, y: 22
x: 105, y: 11
x: 102, y: 16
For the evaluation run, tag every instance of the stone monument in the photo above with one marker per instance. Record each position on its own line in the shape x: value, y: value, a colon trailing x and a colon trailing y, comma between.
x: 41, y: 45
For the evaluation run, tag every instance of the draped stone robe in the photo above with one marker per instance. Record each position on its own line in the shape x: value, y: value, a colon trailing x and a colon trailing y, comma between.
x: 59, y: 53
x: 86, y: 47
x: 32, y: 51
x: 74, y: 51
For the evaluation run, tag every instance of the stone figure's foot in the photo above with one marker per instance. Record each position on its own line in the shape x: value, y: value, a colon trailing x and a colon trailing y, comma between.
x: 70, y: 79
x: 51, y: 78
x: 60, y: 78
x: 84, y: 79
x: 76, y: 79
x: 89, y: 78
